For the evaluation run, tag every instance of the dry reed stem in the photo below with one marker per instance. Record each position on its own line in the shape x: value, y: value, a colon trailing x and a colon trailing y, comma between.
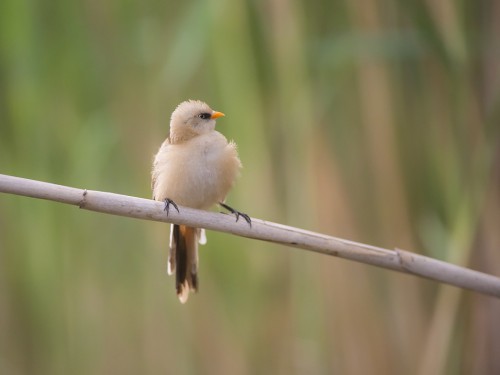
x: 146, y: 209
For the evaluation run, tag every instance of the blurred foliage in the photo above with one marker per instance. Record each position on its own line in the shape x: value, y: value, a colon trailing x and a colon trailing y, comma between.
x: 376, y: 121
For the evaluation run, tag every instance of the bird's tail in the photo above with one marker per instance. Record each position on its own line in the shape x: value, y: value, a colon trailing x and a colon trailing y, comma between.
x: 183, y: 259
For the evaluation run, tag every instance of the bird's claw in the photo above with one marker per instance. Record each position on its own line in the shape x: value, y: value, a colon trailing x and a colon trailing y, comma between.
x: 237, y: 213
x: 169, y: 202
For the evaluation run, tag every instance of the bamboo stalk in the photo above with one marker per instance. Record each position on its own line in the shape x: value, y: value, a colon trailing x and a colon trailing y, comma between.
x: 146, y: 209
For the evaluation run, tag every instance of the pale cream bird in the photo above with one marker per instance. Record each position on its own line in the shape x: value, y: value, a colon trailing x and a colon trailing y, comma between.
x: 195, y: 167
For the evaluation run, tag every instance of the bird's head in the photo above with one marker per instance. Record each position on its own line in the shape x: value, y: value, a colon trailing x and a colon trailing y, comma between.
x: 192, y: 118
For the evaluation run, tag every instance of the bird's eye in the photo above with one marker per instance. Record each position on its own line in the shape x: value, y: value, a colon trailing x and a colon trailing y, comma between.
x: 204, y: 116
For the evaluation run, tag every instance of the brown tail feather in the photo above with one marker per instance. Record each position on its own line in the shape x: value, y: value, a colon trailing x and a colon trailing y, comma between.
x: 184, y: 249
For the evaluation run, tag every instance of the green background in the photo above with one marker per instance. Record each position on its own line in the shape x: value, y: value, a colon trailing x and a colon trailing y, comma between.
x: 375, y: 121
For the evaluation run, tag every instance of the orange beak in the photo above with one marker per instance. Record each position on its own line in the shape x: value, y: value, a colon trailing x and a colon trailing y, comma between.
x: 216, y: 115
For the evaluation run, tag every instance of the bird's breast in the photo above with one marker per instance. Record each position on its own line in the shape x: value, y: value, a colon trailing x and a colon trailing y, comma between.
x: 198, y: 173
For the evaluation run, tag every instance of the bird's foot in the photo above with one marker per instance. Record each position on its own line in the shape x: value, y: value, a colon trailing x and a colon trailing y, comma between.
x: 169, y: 202
x: 237, y: 213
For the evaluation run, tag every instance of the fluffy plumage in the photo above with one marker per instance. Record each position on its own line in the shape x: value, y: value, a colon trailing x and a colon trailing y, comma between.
x: 195, y: 167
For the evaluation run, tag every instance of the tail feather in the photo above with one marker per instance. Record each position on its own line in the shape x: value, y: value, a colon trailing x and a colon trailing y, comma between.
x: 183, y: 259
x: 171, y: 254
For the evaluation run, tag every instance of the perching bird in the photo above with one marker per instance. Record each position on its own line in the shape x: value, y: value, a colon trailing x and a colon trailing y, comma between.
x: 195, y: 167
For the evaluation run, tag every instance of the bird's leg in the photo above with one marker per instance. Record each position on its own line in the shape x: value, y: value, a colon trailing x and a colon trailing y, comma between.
x: 169, y: 202
x: 237, y: 213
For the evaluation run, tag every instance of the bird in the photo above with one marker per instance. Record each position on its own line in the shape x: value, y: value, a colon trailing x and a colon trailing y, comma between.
x: 196, y: 166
